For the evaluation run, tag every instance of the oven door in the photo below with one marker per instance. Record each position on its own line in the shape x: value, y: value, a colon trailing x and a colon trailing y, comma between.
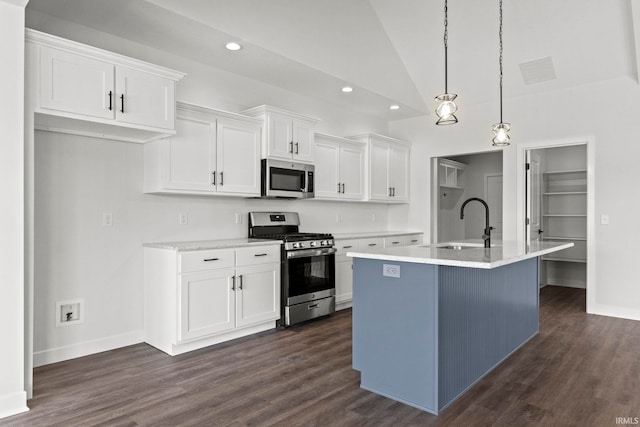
x: 309, y: 274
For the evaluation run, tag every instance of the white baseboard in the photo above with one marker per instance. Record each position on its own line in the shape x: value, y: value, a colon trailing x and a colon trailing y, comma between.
x: 86, y: 348
x: 12, y: 404
x: 613, y: 311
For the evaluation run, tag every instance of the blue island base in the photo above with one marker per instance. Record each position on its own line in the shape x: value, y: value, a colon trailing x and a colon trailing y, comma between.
x: 426, y: 336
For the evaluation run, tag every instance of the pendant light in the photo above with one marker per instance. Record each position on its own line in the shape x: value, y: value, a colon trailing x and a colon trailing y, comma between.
x: 501, y: 130
x: 446, y: 107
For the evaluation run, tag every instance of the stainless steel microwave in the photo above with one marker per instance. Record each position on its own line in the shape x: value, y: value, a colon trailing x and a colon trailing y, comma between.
x: 286, y: 179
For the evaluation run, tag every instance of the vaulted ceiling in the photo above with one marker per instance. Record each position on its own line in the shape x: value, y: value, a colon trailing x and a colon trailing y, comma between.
x: 389, y: 51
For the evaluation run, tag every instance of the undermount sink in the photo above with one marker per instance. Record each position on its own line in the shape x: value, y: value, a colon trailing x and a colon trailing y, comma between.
x: 456, y: 246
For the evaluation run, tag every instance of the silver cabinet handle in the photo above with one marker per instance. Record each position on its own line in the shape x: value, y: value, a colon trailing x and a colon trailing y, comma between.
x: 291, y: 147
x: 414, y: 240
x: 260, y: 255
x: 338, y: 187
x: 213, y: 178
x: 297, y: 148
x: 373, y: 244
x: 210, y: 259
x: 394, y: 191
x: 394, y: 243
x: 389, y: 191
x: 221, y: 178
x: 347, y: 247
x: 122, y: 99
x: 343, y: 188
x: 233, y: 283
x: 110, y: 100
x: 240, y: 280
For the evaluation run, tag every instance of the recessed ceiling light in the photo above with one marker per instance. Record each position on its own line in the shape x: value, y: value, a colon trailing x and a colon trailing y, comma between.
x: 347, y: 89
x: 394, y: 107
x: 233, y: 46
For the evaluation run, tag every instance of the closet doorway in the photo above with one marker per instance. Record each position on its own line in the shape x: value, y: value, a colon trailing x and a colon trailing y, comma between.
x: 558, y: 206
x: 457, y: 178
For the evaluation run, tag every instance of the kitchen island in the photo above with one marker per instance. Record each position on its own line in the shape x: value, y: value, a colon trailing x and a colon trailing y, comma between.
x: 430, y: 321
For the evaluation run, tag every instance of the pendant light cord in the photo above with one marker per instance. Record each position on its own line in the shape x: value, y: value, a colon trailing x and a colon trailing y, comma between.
x: 500, y: 36
x: 446, y: 44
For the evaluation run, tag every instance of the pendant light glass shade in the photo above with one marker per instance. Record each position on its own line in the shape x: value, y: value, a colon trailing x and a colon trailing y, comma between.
x: 446, y: 109
x: 501, y: 134
x: 501, y: 130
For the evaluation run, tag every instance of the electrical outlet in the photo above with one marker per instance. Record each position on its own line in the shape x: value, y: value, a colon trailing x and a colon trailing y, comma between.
x: 183, y: 218
x: 107, y: 219
x: 69, y: 312
x: 238, y: 218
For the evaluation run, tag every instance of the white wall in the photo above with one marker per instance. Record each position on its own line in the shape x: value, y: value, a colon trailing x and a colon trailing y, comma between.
x: 77, y: 179
x: 12, y: 394
x: 589, y: 110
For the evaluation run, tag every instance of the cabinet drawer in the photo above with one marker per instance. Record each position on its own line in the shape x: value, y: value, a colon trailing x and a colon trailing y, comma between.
x: 344, y: 246
x: 206, y: 260
x: 258, y: 255
x: 372, y: 243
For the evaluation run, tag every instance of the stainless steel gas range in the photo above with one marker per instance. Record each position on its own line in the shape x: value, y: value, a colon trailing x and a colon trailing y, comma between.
x: 308, y: 265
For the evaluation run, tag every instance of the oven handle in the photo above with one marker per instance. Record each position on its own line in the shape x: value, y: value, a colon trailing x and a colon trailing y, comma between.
x: 310, y: 252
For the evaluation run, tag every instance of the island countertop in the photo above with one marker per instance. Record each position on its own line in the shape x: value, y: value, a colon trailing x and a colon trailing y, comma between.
x: 471, y: 254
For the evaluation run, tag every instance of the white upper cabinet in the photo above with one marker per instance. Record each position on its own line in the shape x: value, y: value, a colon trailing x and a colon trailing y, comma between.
x: 83, y: 90
x: 287, y: 135
x: 339, y: 168
x: 213, y: 152
x: 387, y: 168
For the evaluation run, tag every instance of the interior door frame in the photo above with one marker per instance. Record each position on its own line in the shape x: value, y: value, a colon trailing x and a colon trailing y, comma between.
x: 521, y: 212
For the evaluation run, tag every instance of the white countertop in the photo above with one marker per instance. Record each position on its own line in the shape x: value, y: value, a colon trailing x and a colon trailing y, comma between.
x: 501, y: 253
x: 370, y: 234
x: 198, y: 245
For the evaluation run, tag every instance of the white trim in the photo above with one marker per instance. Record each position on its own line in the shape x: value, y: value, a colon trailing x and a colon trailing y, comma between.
x: 86, y: 348
x: 589, y: 141
x: 612, y: 311
x: 12, y: 404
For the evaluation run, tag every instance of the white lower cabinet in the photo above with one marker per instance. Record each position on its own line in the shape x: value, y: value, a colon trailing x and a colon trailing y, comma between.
x: 198, y: 298
x: 207, y: 303
x: 344, y: 264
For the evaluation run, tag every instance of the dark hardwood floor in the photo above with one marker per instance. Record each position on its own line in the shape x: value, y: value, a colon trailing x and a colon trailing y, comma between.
x: 581, y: 370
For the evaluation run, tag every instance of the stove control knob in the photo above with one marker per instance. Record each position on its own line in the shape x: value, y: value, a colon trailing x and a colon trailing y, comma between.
x: 312, y: 244
x: 294, y: 245
x: 301, y: 245
x: 323, y: 243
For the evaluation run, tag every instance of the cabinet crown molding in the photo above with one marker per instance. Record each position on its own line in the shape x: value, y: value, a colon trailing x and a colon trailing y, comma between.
x: 44, y: 39
x: 372, y: 136
x: 265, y: 109
x: 185, y: 107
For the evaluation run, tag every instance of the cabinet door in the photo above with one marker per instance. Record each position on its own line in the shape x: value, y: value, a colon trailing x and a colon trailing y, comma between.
x: 279, y: 136
x: 344, y: 280
x: 238, y: 157
x: 258, y: 294
x: 207, y: 303
x: 379, y: 171
x: 149, y: 100
x: 352, y: 171
x: 399, y: 173
x: 76, y: 84
x: 303, y: 141
x: 189, y: 157
x: 327, y: 157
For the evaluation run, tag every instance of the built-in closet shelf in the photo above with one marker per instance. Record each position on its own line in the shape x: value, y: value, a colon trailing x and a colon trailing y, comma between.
x: 577, y: 260
x: 566, y: 193
x: 579, y: 239
x: 565, y: 171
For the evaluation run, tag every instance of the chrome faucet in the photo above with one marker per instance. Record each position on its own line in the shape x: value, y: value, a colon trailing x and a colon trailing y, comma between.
x: 487, y: 229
